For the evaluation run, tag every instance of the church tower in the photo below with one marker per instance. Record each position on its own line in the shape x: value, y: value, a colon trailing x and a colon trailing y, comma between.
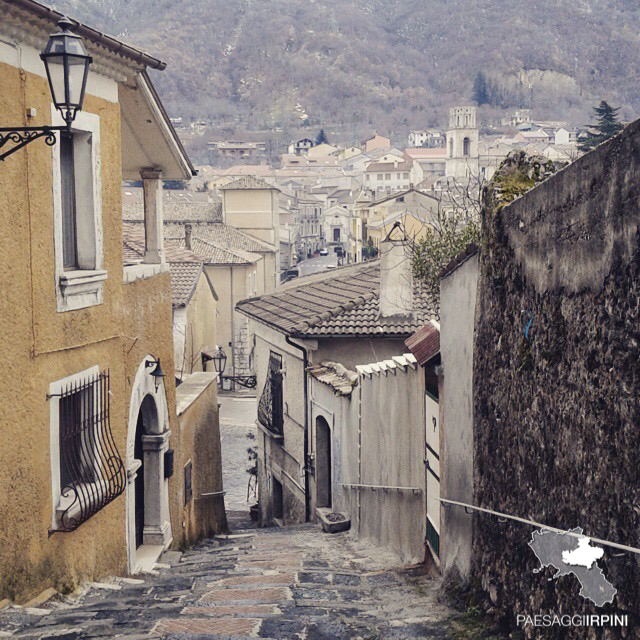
x: 462, y: 143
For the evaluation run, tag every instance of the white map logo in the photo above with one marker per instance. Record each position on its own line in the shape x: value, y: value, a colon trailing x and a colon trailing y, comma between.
x: 574, y: 554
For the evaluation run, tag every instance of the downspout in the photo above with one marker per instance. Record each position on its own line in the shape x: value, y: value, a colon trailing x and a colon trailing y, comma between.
x: 305, y: 360
x: 233, y: 337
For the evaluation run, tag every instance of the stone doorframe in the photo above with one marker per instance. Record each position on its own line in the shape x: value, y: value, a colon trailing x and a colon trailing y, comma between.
x: 155, y: 441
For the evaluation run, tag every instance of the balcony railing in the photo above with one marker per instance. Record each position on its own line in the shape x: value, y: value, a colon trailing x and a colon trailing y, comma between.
x: 270, y: 407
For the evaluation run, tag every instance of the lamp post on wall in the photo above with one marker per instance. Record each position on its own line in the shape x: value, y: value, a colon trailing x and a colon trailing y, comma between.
x: 219, y: 359
x: 67, y: 65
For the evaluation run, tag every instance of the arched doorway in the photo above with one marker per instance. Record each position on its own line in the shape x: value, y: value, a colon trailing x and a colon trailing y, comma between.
x: 323, y: 463
x: 145, y: 425
x: 148, y: 526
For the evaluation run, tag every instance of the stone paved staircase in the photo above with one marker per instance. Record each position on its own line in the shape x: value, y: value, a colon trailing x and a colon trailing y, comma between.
x: 292, y: 583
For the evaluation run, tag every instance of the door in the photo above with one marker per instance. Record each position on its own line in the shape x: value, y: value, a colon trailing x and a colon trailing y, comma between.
x: 139, y: 482
x: 323, y: 463
x: 432, y: 462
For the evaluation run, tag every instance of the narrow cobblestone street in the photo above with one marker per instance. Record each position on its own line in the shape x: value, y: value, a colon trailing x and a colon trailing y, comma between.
x: 237, y: 425
x: 292, y: 583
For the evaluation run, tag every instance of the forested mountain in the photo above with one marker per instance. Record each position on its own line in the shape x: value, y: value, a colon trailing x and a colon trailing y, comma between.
x: 385, y: 64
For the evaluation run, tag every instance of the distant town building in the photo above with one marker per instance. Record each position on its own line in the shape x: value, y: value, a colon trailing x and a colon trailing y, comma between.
x: 517, y: 117
x: 462, y: 143
x: 376, y: 142
x: 237, y: 151
x: 430, y: 138
x: 300, y: 147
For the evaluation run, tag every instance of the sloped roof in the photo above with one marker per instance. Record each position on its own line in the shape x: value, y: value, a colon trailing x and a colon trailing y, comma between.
x: 338, y: 377
x: 177, y: 206
x: 389, y: 166
x: 211, y: 253
x: 343, y: 302
x: 110, y: 43
x: 133, y: 246
x: 247, y: 182
x: 184, y: 278
x: 424, y: 343
x: 228, y: 237
x: 185, y: 267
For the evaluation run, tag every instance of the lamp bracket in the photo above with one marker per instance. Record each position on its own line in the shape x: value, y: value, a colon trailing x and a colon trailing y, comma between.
x: 22, y: 136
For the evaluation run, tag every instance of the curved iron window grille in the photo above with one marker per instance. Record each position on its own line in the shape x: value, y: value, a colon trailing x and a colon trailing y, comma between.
x: 92, y: 473
x: 270, y: 407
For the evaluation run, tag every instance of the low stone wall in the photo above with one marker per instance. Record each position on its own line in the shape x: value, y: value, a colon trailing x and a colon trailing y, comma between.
x: 557, y: 405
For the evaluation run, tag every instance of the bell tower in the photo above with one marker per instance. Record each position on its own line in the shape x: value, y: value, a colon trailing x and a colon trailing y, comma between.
x: 462, y: 143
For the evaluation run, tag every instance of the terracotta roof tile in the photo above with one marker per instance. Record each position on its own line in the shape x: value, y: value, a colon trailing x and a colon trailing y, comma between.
x: 339, y: 378
x: 424, y: 343
x: 342, y: 303
x: 184, y: 278
x: 247, y: 182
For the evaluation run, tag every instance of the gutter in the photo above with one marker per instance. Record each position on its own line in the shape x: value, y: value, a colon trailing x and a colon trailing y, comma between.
x: 305, y: 362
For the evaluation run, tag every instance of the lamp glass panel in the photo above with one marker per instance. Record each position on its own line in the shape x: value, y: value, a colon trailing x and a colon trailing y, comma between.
x: 55, y: 70
x: 76, y: 79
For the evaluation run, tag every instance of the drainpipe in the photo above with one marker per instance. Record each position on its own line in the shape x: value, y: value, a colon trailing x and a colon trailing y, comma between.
x: 305, y: 360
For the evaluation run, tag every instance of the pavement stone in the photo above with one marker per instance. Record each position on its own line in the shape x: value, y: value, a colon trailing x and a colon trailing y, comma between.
x: 278, y: 584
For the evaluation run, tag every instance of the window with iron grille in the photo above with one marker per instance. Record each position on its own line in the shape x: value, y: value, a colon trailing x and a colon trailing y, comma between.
x: 91, y: 473
x: 270, y: 407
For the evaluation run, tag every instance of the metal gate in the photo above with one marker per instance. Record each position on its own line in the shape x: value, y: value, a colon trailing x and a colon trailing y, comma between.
x: 432, y: 463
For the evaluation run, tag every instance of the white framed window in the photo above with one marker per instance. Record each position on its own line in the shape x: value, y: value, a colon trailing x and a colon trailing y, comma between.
x: 77, y: 207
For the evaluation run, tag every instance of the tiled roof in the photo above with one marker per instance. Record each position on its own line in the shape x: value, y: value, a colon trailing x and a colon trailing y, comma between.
x: 389, y: 166
x: 185, y: 266
x: 211, y: 253
x: 339, y: 378
x: 184, y: 279
x: 248, y: 182
x: 177, y: 206
x: 424, y: 343
x: 224, y: 236
x: 341, y: 303
x: 419, y: 152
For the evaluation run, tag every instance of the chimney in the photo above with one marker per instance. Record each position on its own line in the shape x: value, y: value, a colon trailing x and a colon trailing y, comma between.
x: 396, y: 274
x: 187, y: 236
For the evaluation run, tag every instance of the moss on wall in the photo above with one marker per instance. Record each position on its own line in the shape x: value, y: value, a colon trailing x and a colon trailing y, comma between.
x: 556, y: 380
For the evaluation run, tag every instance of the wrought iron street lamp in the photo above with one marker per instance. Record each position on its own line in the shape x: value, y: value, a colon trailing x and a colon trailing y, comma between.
x: 157, y: 374
x: 67, y: 65
x: 219, y: 360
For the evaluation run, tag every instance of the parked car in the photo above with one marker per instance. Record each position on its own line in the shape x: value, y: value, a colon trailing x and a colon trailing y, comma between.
x: 324, y: 252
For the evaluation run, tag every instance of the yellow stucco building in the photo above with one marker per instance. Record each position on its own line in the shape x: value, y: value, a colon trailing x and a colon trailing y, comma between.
x: 88, y: 434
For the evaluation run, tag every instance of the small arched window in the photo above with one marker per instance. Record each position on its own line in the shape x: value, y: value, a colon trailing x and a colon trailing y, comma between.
x: 466, y: 147
x: 451, y: 148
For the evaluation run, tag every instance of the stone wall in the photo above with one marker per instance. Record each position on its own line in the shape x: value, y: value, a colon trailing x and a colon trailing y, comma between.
x: 557, y: 408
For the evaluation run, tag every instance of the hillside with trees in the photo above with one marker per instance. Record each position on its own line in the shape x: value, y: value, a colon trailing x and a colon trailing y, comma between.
x: 352, y: 66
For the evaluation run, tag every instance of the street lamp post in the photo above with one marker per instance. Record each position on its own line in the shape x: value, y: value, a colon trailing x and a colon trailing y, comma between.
x: 67, y: 65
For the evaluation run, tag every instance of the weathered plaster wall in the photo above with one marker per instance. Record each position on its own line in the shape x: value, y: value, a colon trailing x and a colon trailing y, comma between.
x: 392, y: 454
x: 41, y: 345
x: 457, y: 312
x: 198, y: 441
x: 284, y: 459
x: 557, y: 414
x: 200, y: 327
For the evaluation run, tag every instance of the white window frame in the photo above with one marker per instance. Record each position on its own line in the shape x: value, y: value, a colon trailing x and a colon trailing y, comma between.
x: 82, y: 287
x: 58, y: 504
